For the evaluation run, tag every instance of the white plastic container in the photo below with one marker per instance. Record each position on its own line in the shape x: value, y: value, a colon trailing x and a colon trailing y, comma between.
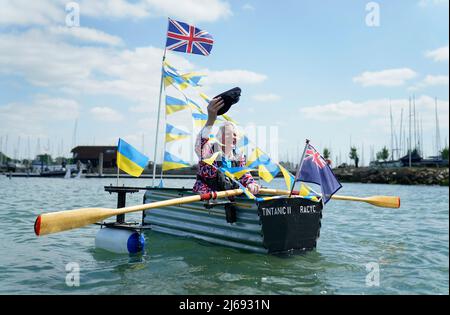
x: 119, y: 241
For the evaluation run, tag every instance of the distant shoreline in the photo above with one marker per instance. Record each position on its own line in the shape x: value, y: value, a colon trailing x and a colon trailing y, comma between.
x: 400, y: 176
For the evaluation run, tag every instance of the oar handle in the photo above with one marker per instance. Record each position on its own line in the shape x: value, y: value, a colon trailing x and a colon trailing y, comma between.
x: 54, y: 222
x: 379, y: 201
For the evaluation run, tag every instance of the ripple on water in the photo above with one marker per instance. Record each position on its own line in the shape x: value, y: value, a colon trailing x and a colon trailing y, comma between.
x: 410, y: 244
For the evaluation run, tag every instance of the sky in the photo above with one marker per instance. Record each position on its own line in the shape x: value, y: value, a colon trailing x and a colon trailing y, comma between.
x: 327, y: 71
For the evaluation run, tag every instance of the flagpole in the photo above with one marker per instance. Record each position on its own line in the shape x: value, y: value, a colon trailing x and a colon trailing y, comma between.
x: 117, y: 175
x: 117, y: 162
x: 297, y: 174
x: 159, y: 115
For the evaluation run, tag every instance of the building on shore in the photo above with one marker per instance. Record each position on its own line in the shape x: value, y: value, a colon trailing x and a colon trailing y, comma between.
x: 95, y: 157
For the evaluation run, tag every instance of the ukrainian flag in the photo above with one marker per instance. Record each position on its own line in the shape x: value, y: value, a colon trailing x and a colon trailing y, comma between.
x: 130, y: 160
x: 174, y: 105
x: 193, y: 78
x: 173, y: 133
x: 171, y: 162
x: 174, y: 79
x: 237, y: 172
x: 199, y: 119
x: 194, y: 106
x: 172, y: 76
x: 267, y: 170
x: 288, y: 177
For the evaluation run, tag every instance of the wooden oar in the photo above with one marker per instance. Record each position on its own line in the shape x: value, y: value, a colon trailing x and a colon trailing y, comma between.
x: 54, y: 222
x: 379, y: 201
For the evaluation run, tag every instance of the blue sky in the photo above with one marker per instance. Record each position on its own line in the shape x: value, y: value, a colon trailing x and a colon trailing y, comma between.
x: 312, y: 69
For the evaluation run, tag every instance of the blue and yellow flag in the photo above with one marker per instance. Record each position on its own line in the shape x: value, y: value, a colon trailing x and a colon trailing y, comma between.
x: 173, y: 78
x: 194, y: 106
x: 173, y: 133
x: 237, y: 172
x: 130, y: 160
x: 174, y: 105
x: 171, y: 162
x: 288, y: 177
x: 266, y: 168
x: 199, y: 119
x: 193, y: 78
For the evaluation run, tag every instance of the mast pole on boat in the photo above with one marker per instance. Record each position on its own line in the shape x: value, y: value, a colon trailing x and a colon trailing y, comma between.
x: 158, y: 118
x: 299, y: 168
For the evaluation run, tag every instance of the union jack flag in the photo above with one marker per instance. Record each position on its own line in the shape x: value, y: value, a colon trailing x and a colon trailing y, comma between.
x: 315, y: 156
x: 188, y: 39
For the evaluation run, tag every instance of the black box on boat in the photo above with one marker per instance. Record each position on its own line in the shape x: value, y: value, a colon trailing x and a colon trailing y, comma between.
x: 290, y: 223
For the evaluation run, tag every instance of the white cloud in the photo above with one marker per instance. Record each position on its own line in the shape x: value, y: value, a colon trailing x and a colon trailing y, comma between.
x: 86, y: 34
x: 106, y: 114
x: 191, y: 10
x: 24, y: 12
x: 269, y: 97
x: 389, y: 77
x: 374, y: 109
x: 132, y: 74
x: 86, y: 70
x: 439, y: 54
x: 36, y: 117
x: 114, y: 8
x: 47, y: 12
x: 436, y: 80
x: 248, y: 7
x: 233, y: 77
x: 431, y: 80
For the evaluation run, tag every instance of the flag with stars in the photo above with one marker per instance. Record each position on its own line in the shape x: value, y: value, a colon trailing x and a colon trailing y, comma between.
x: 316, y: 170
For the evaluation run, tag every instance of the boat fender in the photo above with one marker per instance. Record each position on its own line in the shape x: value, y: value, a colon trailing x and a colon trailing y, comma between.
x: 119, y: 241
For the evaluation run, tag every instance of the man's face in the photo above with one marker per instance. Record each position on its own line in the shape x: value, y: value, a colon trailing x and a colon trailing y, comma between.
x: 228, y: 136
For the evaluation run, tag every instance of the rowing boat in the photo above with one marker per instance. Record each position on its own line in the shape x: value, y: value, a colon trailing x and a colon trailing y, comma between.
x: 272, y: 226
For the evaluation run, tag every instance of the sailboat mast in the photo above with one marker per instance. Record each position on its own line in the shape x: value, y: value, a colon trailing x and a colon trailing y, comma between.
x: 74, y: 136
x: 421, y: 137
x: 438, y: 134
x: 401, y: 132
x: 415, y: 122
x: 392, y: 132
x: 409, y: 139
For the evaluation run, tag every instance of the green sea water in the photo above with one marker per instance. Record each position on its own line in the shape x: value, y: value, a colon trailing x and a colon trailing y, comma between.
x: 362, y: 249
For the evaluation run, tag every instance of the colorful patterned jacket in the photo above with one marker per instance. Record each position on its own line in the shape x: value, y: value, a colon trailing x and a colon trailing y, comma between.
x: 205, y: 149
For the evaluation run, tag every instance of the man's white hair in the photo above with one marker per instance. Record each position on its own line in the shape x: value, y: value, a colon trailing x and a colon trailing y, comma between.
x: 227, y: 124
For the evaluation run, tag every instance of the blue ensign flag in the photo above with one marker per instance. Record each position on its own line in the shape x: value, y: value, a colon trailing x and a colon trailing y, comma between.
x: 317, y: 171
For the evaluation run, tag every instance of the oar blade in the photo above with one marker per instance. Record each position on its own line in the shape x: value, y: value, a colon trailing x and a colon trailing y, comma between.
x: 54, y: 222
x: 384, y: 201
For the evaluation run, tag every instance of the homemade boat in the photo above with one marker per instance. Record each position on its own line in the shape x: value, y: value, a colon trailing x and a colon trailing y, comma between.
x: 278, y: 225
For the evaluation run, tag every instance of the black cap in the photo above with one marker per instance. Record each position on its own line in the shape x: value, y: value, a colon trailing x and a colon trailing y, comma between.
x: 229, y: 97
